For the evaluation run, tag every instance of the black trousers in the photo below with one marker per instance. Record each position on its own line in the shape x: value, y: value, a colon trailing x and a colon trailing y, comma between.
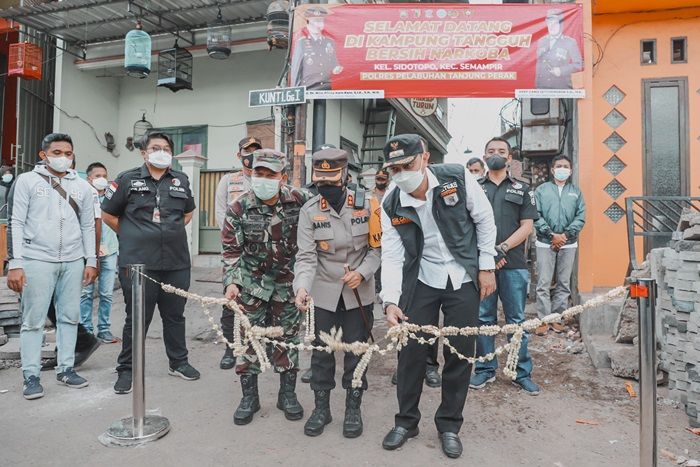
x: 460, y: 308
x: 172, y: 313
x: 85, y: 338
x: 323, y: 363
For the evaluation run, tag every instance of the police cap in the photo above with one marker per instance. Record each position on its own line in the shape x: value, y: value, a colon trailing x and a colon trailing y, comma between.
x: 328, y: 165
x: 249, y: 141
x: 316, y: 12
x: 555, y: 13
x: 270, y: 159
x: 402, y: 149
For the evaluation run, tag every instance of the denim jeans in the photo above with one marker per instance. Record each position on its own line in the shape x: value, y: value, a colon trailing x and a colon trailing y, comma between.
x: 43, y: 279
x: 105, y: 289
x: 512, y: 290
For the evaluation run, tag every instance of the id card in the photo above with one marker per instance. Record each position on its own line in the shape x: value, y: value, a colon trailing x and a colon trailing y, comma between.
x: 156, y: 215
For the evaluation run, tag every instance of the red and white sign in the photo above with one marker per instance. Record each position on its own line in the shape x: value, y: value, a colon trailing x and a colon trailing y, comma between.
x: 437, y: 50
x: 424, y: 106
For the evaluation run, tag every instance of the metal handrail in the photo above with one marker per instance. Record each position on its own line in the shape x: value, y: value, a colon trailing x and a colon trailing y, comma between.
x: 654, y: 217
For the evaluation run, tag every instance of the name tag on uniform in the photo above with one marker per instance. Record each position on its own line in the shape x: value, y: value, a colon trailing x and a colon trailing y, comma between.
x: 400, y: 220
x: 138, y: 186
x: 449, y: 194
x: 322, y: 225
x: 179, y: 189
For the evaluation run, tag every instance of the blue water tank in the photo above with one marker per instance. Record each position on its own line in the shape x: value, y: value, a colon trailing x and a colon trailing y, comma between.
x: 137, y: 53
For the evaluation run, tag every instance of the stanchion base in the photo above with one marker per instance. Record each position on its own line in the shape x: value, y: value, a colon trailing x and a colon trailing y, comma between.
x: 121, y: 432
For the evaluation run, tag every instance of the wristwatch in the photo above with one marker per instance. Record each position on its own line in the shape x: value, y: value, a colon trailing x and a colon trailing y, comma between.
x: 487, y: 270
x: 504, y: 246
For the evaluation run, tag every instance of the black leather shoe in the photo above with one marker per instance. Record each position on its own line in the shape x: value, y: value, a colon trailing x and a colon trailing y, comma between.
x: 451, y: 445
x: 432, y: 377
x: 228, y: 361
x: 306, y: 377
x: 397, y: 437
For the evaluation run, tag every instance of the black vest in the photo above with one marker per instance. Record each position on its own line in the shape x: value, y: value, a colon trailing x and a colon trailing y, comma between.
x: 452, y: 218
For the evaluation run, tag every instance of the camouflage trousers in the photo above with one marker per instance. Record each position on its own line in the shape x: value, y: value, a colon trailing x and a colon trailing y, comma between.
x: 275, y: 312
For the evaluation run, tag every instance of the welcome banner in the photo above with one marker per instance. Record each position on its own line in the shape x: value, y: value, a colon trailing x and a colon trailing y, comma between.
x: 437, y: 50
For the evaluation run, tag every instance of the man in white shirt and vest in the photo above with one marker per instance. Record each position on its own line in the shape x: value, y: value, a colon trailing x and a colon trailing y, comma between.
x: 438, y: 250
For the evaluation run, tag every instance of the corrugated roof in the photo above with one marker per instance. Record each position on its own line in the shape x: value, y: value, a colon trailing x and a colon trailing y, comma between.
x: 85, y: 22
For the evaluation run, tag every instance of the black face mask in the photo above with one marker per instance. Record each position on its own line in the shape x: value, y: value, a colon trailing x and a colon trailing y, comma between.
x: 247, y: 160
x: 381, y: 186
x: 335, y: 195
x: 496, y: 162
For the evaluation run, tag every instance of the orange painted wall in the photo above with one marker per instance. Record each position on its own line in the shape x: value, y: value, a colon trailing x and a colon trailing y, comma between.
x: 603, y: 252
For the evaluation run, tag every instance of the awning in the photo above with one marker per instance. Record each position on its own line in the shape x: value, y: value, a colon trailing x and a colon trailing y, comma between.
x: 81, y: 23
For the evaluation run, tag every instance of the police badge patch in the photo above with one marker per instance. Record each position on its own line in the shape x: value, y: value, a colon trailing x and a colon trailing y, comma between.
x: 449, y: 194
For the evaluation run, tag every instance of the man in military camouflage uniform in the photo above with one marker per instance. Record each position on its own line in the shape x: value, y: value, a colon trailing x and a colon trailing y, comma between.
x: 557, y: 55
x: 339, y: 238
x: 259, y: 244
x: 230, y: 188
x: 314, y: 59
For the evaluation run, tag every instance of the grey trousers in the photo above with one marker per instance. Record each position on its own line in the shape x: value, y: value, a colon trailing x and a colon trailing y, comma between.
x: 549, y: 263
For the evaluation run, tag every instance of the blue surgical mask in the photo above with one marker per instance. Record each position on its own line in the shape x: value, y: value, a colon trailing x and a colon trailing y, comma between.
x: 562, y: 174
x: 265, y: 188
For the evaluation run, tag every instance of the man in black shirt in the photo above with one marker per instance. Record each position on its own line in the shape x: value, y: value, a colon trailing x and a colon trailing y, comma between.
x: 515, y: 212
x: 148, y: 207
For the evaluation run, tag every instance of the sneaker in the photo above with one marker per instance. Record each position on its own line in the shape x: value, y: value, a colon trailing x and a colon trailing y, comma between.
x: 184, y: 371
x: 71, y: 379
x: 32, y: 388
x: 123, y: 384
x: 107, y: 337
x: 480, y: 380
x: 527, y: 385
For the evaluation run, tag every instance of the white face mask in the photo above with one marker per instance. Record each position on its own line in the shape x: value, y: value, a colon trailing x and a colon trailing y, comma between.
x: 59, y: 164
x: 562, y: 174
x: 408, y: 181
x: 100, y: 183
x: 7, y: 178
x: 265, y: 188
x: 160, y: 159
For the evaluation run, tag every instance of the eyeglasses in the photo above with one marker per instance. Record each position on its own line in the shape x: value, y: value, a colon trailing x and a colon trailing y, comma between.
x: 158, y: 148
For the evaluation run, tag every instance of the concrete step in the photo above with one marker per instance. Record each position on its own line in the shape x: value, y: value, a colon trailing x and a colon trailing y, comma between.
x: 599, y: 349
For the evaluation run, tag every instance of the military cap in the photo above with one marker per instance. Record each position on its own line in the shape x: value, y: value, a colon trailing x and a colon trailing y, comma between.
x: 316, y: 12
x: 328, y: 165
x: 270, y: 159
x: 555, y: 13
x: 402, y: 149
x: 249, y: 141
x: 382, y: 173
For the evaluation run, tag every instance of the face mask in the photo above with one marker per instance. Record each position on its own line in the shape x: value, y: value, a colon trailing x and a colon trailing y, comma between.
x: 7, y: 178
x: 100, y: 183
x: 160, y: 159
x: 59, y: 164
x: 381, y: 185
x: 562, y: 174
x: 408, y: 181
x: 265, y: 188
x: 247, y: 160
x: 496, y: 162
x: 335, y: 195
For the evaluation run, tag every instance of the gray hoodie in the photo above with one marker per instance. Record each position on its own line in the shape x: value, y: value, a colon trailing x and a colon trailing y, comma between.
x: 43, y: 226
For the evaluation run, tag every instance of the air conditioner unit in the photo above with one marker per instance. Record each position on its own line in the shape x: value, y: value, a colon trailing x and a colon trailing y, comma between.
x: 542, y: 126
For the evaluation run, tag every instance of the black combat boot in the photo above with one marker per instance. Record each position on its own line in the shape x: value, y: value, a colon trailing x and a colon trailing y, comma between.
x: 250, y: 403
x: 352, y: 425
x: 287, y: 398
x: 321, y: 415
x: 228, y: 361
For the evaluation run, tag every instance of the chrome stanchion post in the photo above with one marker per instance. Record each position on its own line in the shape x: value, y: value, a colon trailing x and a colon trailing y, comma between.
x: 139, y: 428
x: 644, y: 290
x: 138, y: 352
